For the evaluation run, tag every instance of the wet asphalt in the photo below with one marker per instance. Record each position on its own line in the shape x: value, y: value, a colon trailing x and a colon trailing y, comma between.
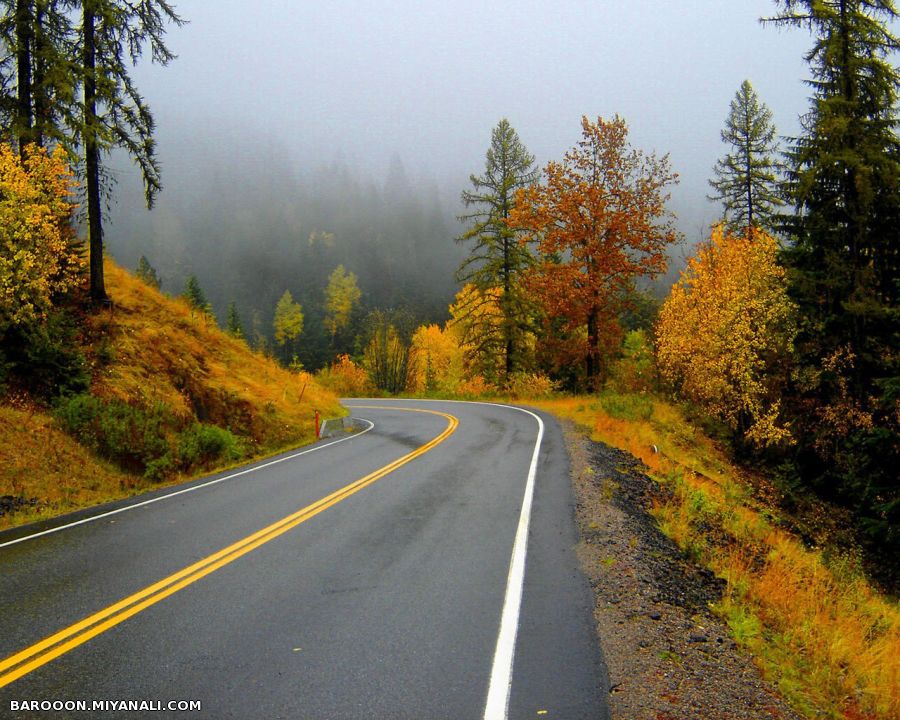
x: 385, y: 605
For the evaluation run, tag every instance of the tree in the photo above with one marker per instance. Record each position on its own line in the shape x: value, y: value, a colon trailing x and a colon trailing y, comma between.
x: 147, y: 273
x: 477, y: 319
x: 746, y: 178
x: 39, y: 36
x: 436, y: 360
x: 233, y: 325
x: 725, y: 334
x: 386, y: 357
x: 195, y: 296
x: 113, y: 35
x: 844, y: 256
x: 341, y: 296
x: 498, y: 260
x: 39, y: 256
x: 287, y: 323
x: 599, y: 220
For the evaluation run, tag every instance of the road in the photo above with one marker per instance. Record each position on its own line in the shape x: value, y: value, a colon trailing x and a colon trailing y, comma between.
x: 376, y: 576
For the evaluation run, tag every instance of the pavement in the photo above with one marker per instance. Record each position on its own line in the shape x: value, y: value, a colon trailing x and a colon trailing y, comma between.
x: 366, y: 576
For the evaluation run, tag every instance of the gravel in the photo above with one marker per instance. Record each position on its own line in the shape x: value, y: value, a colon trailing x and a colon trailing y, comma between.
x: 669, y: 656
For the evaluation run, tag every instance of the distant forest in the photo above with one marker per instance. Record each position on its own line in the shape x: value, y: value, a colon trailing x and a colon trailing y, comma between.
x: 251, y: 228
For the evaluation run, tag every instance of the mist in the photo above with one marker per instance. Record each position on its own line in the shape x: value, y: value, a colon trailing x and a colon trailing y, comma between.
x: 297, y: 136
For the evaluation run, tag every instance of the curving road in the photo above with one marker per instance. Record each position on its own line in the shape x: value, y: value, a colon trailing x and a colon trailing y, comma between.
x: 377, y: 576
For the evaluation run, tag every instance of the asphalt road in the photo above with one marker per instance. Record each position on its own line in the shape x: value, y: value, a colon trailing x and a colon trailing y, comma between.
x: 396, y: 597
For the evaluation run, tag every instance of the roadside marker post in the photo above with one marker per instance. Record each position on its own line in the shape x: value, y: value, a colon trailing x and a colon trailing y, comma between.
x: 317, y: 425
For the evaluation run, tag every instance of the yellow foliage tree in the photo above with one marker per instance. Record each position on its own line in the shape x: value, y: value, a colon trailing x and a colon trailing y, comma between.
x: 726, y: 332
x: 477, y: 320
x: 39, y: 255
x: 436, y: 360
x: 341, y: 295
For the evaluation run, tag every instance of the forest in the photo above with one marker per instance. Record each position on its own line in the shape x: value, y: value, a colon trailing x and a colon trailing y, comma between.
x: 782, y: 330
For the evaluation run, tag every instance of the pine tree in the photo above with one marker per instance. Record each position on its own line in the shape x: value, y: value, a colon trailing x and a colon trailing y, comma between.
x: 844, y: 259
x: 746, y: 178
x: 113, y: 35
x: 195, y: 296
x: 147, y: 273
x: 233, y: 325
x: 498, y: 260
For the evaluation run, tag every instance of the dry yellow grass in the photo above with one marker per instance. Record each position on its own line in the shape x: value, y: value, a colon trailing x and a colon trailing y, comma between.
x: 814, y: 624
x: 151, y: 349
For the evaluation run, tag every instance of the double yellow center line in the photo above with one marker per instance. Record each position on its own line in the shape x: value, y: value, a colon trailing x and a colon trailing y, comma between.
x: 33, y: 657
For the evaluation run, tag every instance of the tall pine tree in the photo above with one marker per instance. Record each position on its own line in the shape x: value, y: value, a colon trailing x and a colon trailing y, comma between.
x: 844, y: 180
x: 113, y: 35
x: 746, y: 178
x: 497, y: 259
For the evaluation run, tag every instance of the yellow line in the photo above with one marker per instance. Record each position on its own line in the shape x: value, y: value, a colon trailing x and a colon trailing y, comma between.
x: 71, y: 637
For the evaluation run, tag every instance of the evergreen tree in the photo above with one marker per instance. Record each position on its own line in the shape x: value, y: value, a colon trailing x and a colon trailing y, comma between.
x: 746, y: 178
x: 497, y: 259
x: 844, y: 259
x: 39, y: 38
x: 233, y: 325
x: 195, y: 296
x: 147, y: 273
x: 113, y: 35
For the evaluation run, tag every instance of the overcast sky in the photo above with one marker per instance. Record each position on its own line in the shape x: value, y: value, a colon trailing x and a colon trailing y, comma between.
x: 428, y: 80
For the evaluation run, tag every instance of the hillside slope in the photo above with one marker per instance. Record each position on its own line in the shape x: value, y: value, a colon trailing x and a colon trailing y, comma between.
x: 166, y: 385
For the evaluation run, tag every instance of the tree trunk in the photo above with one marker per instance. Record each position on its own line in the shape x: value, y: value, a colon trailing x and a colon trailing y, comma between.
x: 92, y: 160
x: 24, y: 36
x: 593, y: 365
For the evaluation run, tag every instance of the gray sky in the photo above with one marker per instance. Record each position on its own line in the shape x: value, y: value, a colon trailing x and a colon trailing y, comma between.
x: 428, y: 80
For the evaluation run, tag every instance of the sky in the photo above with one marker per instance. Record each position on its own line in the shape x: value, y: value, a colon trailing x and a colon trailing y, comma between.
x: 425, y: 81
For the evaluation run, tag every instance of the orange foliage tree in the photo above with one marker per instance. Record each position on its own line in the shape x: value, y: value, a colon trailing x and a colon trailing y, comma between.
x: 40, y: 257
x: 599, y: 220
x: 725, y: 334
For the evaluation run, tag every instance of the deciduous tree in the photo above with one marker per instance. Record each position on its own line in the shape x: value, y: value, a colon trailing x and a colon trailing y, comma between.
x: 725, y: 334
x: 342, y: 295
x: 39, y: 256
x: 599, y: 220
x: 288, y: 320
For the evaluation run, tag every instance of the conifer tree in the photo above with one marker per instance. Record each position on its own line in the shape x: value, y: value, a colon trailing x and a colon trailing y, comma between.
x: 498, y: 260
x: 195, y: 296
x: 844, y: 258
x: 746, y: 178
x: 113, y: 36
x: 147, y: 273
x: 233, y: 325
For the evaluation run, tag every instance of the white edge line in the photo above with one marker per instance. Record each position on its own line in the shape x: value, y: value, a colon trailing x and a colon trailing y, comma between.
x: 497, y: 705
x: 186, y: 490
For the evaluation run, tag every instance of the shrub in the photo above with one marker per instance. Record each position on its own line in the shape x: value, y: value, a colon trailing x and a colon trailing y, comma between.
x: 345, y: 378
x: 203, y: 445
x: 129, y: 435
x: 530, y: 385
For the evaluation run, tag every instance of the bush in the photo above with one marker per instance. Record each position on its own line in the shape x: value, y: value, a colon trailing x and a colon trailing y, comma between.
x: 204, y: 445
x: 635, y: 370
x: 345, y: 378
x: 626, y: 406
x: 530, y: 385
x: 131, y: 436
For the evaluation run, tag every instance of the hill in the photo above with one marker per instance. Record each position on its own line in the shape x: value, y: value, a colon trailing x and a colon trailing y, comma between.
x: 170, y: 395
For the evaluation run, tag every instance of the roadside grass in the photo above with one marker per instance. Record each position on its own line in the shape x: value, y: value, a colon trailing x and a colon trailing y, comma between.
x: 166, y: 379
x: 812, y: 621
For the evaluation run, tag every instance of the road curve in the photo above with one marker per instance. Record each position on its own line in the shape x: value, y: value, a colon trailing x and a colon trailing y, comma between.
x: 360, y: 579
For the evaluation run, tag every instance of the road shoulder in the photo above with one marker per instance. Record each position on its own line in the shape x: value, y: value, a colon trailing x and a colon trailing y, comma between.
x: 669, y: 657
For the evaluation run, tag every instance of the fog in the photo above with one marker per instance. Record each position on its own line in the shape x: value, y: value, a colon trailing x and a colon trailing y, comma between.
x: 282, y: 118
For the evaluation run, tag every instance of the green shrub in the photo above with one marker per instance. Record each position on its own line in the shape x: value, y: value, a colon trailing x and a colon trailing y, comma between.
x: 628, y: 406
x: 131, y: 436
x: 203, y: 445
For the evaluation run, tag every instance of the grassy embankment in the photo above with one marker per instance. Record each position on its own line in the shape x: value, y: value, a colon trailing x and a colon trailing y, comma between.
x: 166, y: 380
x: 812, y: 621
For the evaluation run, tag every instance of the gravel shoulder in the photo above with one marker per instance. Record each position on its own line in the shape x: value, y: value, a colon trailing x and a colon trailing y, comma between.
x: 669, y: 656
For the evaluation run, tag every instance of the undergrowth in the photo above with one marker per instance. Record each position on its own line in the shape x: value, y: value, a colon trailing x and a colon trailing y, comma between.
x: 814, y: 623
